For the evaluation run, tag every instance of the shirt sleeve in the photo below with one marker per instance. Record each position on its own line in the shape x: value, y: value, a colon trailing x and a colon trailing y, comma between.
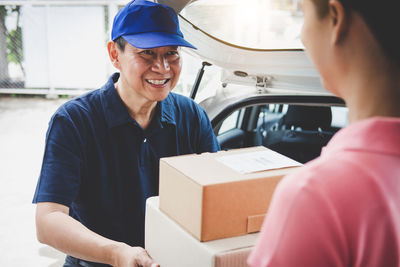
x: 300, y: 229
x: 208, y: 142
x: 60, y: 174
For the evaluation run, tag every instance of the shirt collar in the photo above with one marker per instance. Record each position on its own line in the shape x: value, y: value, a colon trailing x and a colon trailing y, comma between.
x: 116, y: 113
x: 378, y: 134
x: 167, y: 110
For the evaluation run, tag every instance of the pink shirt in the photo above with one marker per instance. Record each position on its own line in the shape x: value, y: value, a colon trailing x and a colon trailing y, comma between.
x: 343, y: 208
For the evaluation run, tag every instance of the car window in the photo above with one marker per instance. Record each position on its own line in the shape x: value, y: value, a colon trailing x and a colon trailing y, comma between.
x: 260, y: 24
x: 297, y: 131
x: 269, y: 116
x: 273, y: 112
x: 339, y: 117
x: 230, y: 123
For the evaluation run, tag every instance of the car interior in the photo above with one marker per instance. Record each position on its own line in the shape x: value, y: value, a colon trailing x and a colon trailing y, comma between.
x: 298, y: 131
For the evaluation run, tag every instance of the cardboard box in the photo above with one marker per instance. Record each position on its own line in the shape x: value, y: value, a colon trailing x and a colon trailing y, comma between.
x: 171, y: 246
x: 223, y: 194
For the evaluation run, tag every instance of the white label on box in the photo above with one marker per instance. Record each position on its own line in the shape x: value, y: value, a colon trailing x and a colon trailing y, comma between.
x: 257, y: 161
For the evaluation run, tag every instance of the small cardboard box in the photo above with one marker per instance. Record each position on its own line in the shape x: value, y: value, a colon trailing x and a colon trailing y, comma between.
x: 171, y: 246
x: 223, y: 194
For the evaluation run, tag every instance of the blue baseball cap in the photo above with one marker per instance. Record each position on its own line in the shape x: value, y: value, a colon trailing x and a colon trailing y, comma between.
x: 145, y: 25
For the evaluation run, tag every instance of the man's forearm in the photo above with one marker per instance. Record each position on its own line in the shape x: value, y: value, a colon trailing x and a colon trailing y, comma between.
x: 57, y: 229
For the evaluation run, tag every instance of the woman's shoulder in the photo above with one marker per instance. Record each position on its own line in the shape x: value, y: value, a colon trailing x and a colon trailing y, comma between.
x: 330, y: 178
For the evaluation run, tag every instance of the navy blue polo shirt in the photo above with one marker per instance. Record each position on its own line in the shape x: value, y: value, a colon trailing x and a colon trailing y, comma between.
x: 100, y: 163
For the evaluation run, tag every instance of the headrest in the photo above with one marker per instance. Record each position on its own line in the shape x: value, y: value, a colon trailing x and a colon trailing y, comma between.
x: 307, y: 117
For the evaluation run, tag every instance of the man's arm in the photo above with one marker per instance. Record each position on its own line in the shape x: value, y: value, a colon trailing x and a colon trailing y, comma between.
x: 208, y: 141
x: 56, y: 228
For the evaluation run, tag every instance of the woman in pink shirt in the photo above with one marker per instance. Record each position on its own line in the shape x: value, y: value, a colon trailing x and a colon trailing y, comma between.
x: 343, y: 209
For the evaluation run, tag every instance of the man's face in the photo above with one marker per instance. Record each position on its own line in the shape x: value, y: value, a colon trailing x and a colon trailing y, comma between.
x: 150, y: 73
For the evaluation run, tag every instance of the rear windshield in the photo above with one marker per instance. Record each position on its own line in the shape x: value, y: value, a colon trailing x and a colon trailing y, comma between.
x: 259, y: 24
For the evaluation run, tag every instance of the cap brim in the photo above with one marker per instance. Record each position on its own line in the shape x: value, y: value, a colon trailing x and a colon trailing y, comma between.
x: 149, y: 40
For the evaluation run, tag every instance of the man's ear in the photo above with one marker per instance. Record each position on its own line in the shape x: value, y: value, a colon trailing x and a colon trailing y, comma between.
x: 339, y: 21
x: 113, y: 53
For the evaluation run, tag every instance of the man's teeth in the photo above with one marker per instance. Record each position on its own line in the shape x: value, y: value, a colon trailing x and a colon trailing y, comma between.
x: 158, y: 81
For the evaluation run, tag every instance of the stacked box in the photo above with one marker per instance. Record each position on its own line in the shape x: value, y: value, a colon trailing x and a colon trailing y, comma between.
x: 223, y: 194
x: 171, y: 246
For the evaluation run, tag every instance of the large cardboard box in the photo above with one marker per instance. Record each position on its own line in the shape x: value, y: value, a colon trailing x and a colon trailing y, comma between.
x: 171, y: 246
x: 223, y: 194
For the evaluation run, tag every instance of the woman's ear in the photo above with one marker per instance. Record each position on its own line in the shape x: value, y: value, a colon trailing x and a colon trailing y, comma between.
x: 113, y: 53
x: 339, y: 21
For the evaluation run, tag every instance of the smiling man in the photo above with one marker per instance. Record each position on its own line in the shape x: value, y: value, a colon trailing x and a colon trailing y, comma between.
x: 103, y: 148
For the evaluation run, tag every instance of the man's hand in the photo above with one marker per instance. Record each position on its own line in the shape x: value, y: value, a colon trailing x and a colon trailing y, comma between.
x: 56, y: 228
x: 127, y: 256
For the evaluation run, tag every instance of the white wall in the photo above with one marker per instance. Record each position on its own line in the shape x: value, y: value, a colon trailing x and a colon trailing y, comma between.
x: 64, y: 46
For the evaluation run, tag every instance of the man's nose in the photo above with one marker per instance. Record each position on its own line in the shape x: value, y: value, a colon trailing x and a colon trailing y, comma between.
x: 161, y: 65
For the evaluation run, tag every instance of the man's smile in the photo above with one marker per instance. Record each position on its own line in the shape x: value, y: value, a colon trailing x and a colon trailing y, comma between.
x: 157, y: 82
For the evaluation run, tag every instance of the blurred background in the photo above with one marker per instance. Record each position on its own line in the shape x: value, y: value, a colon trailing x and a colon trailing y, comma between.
x: 51, y: 51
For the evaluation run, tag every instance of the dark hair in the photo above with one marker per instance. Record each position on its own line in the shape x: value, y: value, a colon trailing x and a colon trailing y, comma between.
x: 382, y: 18
x: 322, y: 7
x: 121, y: 42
